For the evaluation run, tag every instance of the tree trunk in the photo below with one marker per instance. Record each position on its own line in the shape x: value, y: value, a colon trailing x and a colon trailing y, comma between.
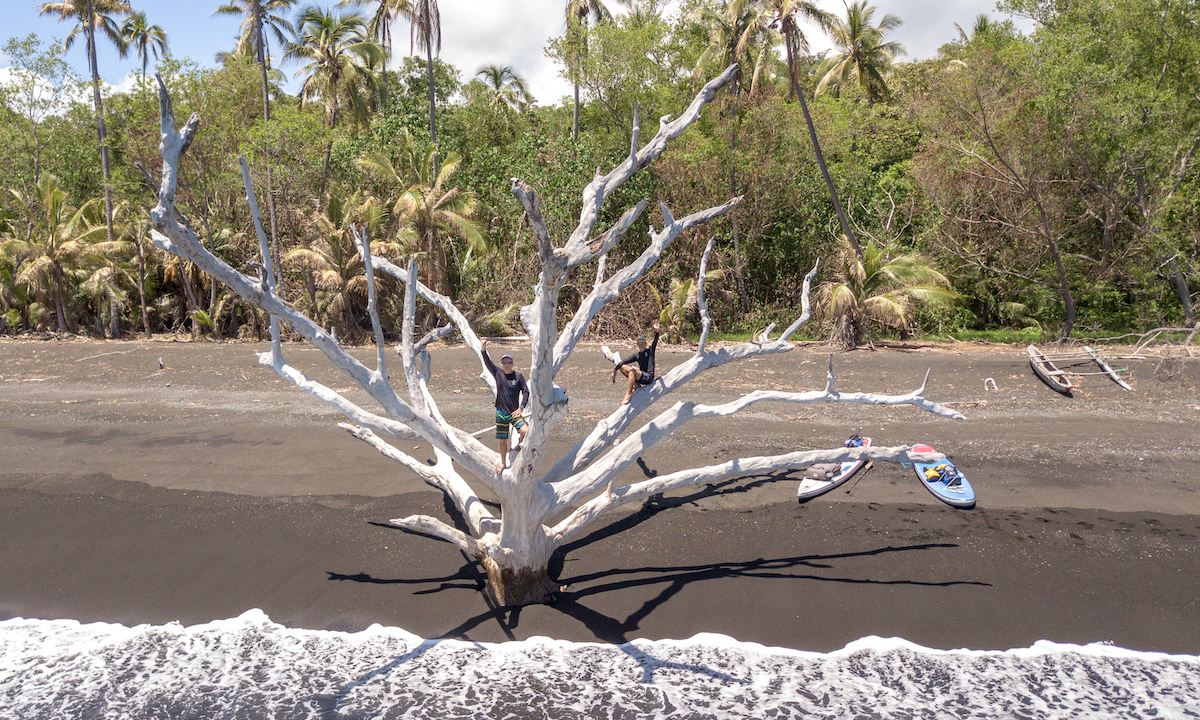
x: 37, y: 156
x: 540, y: 511
x: 1179, y: 282
x: 59, y: 308
x: 743, y: 299
x: 575, y: 116
x: 1064, y: 286
x: 333, y: 116
x: 276, y: 259
x: 189, y: 296
x: 141, y: 258
x: 101, y: 129
x: 114, y: 319
x: 310, y: 287
x: 432, y: 111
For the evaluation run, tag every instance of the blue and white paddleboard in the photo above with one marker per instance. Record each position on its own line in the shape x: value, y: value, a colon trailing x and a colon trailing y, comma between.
x: 946, y: 482
x: 811, y: 487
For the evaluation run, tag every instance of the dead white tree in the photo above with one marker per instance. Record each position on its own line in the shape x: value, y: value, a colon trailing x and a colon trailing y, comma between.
x: 540, y: 509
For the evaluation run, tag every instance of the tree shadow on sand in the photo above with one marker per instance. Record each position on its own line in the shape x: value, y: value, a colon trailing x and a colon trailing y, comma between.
x: 672, y: 579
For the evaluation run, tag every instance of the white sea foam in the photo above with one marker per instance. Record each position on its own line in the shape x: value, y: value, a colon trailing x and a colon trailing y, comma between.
x: 250, y: 667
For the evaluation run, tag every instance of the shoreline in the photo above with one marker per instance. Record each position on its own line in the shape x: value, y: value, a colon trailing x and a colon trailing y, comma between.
x: 211, y: 487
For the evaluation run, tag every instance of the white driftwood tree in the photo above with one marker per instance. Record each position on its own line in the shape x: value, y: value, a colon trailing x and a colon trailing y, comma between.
x: 540, y: 508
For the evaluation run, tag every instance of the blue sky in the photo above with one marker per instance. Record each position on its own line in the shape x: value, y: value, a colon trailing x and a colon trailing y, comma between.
x: 474, y: 33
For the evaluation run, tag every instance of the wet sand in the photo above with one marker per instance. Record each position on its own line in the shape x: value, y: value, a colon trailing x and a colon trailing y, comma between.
x: 195, y: 492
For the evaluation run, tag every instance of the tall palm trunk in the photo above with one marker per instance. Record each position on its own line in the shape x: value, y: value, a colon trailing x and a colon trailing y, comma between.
x: 580, y: 53
x: 812, y: 134
x: 141, y: 257
x: 328, y: 155
x: 743, y: 299
x: 114, y: 318
x: 101, y: 129
x: 737, y: 243
x: 59, y: 307
x: 276, y: 260
x: 575, y: 115
x: 432, y: 123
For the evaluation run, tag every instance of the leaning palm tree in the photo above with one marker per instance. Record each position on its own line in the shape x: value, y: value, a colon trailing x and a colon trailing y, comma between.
x: 338, y: 55
x: 863, y: 57
x: 59, y: 242
x: 505, y: 86
x: 427, y: 204
x: 785, y: 13
x: 579, y: 13
x: 88, y: 16
x: 880, y: 287
x: 144, y: 39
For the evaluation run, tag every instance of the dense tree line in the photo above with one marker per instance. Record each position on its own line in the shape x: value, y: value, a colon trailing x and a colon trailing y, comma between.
x: 1045, y: 182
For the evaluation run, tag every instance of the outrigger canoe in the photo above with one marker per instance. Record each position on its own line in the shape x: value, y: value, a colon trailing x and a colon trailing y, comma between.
x: 1048, y: 373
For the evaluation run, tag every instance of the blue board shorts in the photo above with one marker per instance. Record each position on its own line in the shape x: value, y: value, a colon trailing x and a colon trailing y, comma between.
x: 503, y: 420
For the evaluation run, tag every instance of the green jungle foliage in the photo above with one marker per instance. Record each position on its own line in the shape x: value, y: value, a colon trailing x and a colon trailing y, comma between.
x: 1036, y: 186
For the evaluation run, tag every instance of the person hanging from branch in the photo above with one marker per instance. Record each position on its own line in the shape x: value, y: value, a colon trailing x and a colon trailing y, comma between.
x: 512, y: 395
x: 643, y: 373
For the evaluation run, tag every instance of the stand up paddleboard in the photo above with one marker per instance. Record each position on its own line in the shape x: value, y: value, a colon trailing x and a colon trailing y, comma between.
x: 945, y: 481
x: 823, y: 477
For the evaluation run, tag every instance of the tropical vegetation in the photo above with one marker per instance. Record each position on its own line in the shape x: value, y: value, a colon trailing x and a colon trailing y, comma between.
x: 1044, y: 183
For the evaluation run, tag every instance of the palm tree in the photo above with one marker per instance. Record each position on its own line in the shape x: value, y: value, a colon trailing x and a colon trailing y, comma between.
x: 578, y: 14
x: 505, y: 86
x: 259, y: 17
x: 785, y: 13
x: 738, y: 32
x: 143, y: 38
x: 333, y: 263
x: 338, y: 54
x: 880, y: 287
x: 62, y: 240
x: 380, y: 27
x: 427, y: 204
x: 864, y: 58
x: 88, y: 15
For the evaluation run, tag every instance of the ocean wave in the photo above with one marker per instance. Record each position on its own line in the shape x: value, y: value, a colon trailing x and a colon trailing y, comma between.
x: 250, y: 667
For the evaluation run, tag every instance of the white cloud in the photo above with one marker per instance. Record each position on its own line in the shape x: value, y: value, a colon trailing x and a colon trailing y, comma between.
x: 501, y: 32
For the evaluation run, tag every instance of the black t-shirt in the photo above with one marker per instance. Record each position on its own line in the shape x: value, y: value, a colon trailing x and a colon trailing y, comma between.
x: 644, y: 358
x: 510, y: 387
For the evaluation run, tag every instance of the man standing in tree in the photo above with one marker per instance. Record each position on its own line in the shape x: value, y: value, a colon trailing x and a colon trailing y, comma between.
x: 643, y: 374
x: 512, y: 395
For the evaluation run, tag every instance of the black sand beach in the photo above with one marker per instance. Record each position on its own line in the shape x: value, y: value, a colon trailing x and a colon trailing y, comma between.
x: 135, y: 495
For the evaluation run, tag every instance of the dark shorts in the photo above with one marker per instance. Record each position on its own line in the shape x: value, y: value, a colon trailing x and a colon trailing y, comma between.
x: 645, y: 378
x: 503, y: 420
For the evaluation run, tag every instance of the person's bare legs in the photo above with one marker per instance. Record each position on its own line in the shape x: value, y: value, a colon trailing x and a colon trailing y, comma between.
x: 633, y: 374
x: 503, y: 456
